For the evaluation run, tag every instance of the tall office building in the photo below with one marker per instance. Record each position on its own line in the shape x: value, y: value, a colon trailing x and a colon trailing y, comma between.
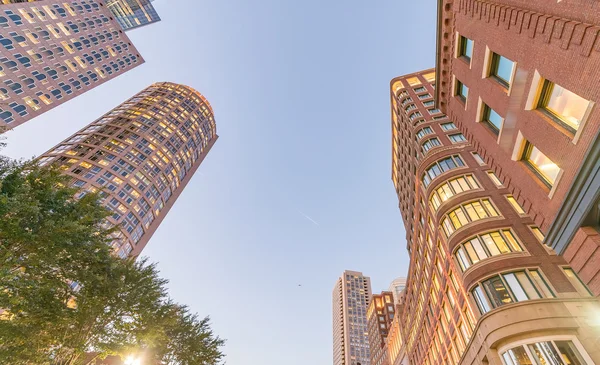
x: 380, y: 314
x: 131, y: 14
x: 482, y: 286
x: 351, y: 298
x: 53, y: 51
x: 397, y: 287
x: 141, y: 154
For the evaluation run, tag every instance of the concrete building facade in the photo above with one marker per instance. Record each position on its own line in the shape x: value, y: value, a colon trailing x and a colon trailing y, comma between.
x: 482, y: 286
x: 141, y: 155
x: 351, y: 298
x: 53, y: 51
x: 380, y: 314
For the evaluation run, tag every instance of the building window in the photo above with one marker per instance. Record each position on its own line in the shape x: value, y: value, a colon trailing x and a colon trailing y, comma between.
x: 467, y: 213
x: 433, y: 111
x: 462, y: 91
x: 544, y: 352
x: 424, y: 96
x: 451, y: 188
x: 576, y: 282
x: 465, y: 48
x: 441, y: 166
x: 420, y: 89
x: 423, y: 132
x: 415, y: 115
x: 429, y: 77
x: 494, y: 178
x: 509, y: 288
x: 430, y: 143
x: 429, y: 103
x: 448, y: 126
x: 478, y: 158
x: 484, y: 246
x: 457, y: 138
x: 562, y: 105
x: 540, y: 164
x: 412, y: 81
x: 537, y: 233
x: 501, y: 69
x: 515, y: 204
x: 492, y: 119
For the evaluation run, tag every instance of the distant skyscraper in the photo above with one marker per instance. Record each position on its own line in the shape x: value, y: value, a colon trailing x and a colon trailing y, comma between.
x: 142, y: 154
x: 351, y: 297
x: 380, y: 314
x: 396, y: 287
x: 55, y: 50
x: 133, y: 13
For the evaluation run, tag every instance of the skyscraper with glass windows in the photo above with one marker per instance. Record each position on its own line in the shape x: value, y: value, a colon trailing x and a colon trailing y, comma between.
x: 351, y: 298
x: 53, y: 51
x: 132, y: 14
x: 141, y: 155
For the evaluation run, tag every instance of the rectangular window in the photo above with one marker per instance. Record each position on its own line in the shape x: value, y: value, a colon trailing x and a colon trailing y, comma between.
x: 433, y: 111
x: 576, y: 282
x: 537, y: 233
x: 420, y: 89
x: 462, y: 91
x: 515, y: 204
x: 424, y: 96
x: 429, y: 77
x: 430, y: 143
x: 492, y: 119
x: 448, y: 126
x: 429, y: 103
x: 540, y: 164
x: 465, y: 48
x: 501, y: 69
x: 494, y: 178
x: 562, y: 105
x: 457, y: 138
x: 478, y: 158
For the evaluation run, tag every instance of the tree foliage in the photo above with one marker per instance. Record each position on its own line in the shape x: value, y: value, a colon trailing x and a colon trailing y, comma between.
x: 64, y: 295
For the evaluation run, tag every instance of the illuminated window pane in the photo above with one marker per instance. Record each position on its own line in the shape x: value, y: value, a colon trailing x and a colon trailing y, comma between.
x: 577, y: 283
x: 569, y: 352
x: 497, y: 291
x: 515, y: 204
x: 430, y: 77
x: 541, y: 164
x: 566, y: 106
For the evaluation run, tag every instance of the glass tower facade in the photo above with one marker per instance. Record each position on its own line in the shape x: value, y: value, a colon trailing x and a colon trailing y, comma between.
x: 133, y: 13
x: 141, y: 155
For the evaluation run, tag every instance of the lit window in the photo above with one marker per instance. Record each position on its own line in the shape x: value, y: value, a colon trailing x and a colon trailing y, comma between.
x: 451, y: 188
x: 576, y: 281
x: 465, y: 48
x: 563, y: 105
x: 544, y: 352
x: 537, y: 233
x: 412, y: 81
x: 484, y: 246
x: 457, y: 138
x: 462, y: 91
x: 467, y: 213
x: 501, y: 69
x: 540, y: 164
x: 430, y: 77
x: 494, y: 178
x: 492, y: 119
x: 515, y: 204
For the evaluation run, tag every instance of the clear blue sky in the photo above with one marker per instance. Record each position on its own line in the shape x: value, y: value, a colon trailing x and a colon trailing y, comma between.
x: 300, y: 91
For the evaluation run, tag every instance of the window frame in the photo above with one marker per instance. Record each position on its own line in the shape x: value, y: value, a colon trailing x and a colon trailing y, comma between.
x: 493, y: 70
x: 462, y: 46
x: 527, y: 149
x: 544, y: 96
x: 552, y: 338
x: 485, y: 119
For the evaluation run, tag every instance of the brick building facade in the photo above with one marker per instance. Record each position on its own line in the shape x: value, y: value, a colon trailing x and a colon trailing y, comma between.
x: 480, y: 277
x: 534, y: 67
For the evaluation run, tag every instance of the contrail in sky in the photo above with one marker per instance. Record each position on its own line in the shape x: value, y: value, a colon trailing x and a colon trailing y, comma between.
x: 309, y: 218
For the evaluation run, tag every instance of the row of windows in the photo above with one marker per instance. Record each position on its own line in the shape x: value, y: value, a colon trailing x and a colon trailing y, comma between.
x: 441, y: 166
x: 484, y: 246
x: 467, y: 213
x: 451, y: 188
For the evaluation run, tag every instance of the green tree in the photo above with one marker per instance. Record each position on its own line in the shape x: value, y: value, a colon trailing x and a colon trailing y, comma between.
x: 48, y: 242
